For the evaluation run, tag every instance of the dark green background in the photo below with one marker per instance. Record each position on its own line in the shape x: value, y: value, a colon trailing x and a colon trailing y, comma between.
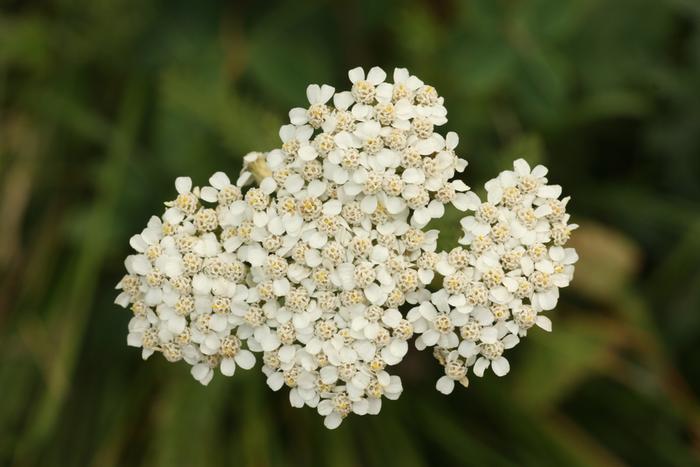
x: 104, y: 102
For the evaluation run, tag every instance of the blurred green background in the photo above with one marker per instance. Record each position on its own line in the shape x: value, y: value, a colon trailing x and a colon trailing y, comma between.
x: 104, y: 103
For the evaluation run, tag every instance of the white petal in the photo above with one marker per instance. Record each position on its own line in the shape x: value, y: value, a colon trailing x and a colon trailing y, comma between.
x: 275, y: 381
x: 294, y: 183
x: 548, y: 299
x: 545, y: 266
x: 123, y: 300
x: 313, y: 93
x: 228, y: 366
x: 379, y: 254
x: 140, y: 264
x: 292, y: 224
x: 436, y: 209
x: 245, y: 359
x: 398, y: 348
x: 268, y: 185
x: 297, y: 116
x: 543, y: 210
x: 384, y: 92
x: 138, y: 243
x: 489, y: 335
x: 539, y: 171
x: 413, y: 175
x: 316, y: 188
x: 461, y: 201
x: 332, y: 421
x: 281, y: 287
x: 286, y: 353
x: 510, y: 341
x: 430, y: 337
x: 376, y: 75
x: 544, y: 323
x: 549, y: 191
x: 400, y: 75
x: 527, y: 265
x: 452, y: 140
x: 307, y: 153
x: 467, y: 349
x: 343, y: 100
x: 365, y: 350
x: 200, y: 371
x: 346, y: 275
x: 421, y: 217
x: 295, y: 398
x: 392, y: 317
x: 481, y: 365
x: 256, y: 256
x: 368, y: 204
x: 473, y: 202
x: 445, y: 385
x: 500, y: 295
x: 325, y: 94
x: 360, y: 407
x: 134, y: 340
x: 325, y: 407
x: 521, y: 167
x: 426, y: 276
x: 356, y: 74
x: 219, y: 180
x: 375, y: 294
x: 332, y: 207
x: 358, y: 323
x: 360, y: 380
x: 218, y: 323
x: 183, y: 184
x: 395, y: 204
x: 313, y: 258
x: 500, y: 366
x: 208, y: 194
x: 329, y: 374
x: 177, y: 324
x: 211, y: 344
x: 557, y: 253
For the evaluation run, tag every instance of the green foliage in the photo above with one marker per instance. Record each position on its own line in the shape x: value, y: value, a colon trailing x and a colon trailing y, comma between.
x: 104, y: 103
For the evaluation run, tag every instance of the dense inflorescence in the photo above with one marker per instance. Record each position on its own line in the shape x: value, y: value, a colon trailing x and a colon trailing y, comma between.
x: 496, y: 287
x: 188, y: 276
x: 314, y: 256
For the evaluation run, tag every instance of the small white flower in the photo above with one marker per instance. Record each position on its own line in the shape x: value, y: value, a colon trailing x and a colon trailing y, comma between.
x: 243, y: 358
x: 317, y: 96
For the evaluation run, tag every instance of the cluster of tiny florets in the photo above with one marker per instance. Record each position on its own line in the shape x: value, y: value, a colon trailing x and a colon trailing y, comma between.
x: 187, y: 278
x: 313, y: 256
x: 509, y: 271
x: 359, y: 251
x: 376, y: 143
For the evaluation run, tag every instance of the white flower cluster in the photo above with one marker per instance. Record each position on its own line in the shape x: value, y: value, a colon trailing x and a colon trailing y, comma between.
x: 496, y: 288
x: 376, y: 146
x: 188, y: 277
x: 360, y: 173
x: 311, y: 256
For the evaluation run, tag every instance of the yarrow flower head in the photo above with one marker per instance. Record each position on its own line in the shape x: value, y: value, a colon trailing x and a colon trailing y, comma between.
x: 376, y: 146
x: 187, y: 277
x: 359, y: 251
x: 496, y: 287
x: 314, y: 256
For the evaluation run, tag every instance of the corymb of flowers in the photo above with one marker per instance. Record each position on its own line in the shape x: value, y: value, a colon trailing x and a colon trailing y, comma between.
x: 317, y: 258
